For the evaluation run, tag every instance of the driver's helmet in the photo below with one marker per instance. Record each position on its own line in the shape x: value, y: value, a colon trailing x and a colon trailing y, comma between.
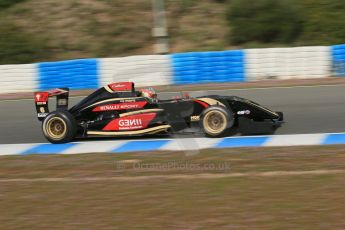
x: 149, y: 93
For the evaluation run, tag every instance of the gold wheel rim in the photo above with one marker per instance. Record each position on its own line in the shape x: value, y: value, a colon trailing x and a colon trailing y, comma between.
x: 215, y: 122
x: 56, y: 128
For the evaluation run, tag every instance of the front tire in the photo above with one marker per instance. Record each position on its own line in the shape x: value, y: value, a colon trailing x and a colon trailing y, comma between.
x: 59, y: 127
x: 216, y: 121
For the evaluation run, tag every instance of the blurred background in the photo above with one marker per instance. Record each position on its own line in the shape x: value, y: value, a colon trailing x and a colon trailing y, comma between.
x: 48, y: 30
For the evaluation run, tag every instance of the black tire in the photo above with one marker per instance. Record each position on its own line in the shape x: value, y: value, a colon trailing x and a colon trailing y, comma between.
x: 216, y: 121
x: 59, y: 127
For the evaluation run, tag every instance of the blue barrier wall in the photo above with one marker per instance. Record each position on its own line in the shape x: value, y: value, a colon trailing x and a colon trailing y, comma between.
x: 203, y: 67
x: 338, y: 54
x: 186, y: 68
x: 75, y: 74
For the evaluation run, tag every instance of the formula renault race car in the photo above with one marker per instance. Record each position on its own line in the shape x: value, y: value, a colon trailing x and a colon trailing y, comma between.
x: 119, y: 110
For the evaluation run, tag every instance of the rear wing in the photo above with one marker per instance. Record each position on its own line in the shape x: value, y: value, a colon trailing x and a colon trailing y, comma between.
x: 42, y: 101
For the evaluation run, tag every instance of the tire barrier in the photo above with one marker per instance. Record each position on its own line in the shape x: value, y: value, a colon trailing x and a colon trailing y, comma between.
x: 144, y: 70
x: 75, y: 74
x: 338, y: 54
x: 206, y: 67
x: 288, y: 63
x: 18, y: 78
x: 179, y: 68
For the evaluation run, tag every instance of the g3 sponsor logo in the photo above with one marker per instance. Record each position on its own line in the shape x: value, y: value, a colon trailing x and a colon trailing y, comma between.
x: 134, y: 122
x: 130, y: 123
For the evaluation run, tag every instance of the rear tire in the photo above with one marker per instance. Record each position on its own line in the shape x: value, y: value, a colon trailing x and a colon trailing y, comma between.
x: 216, y: 121
x: 59, y: 127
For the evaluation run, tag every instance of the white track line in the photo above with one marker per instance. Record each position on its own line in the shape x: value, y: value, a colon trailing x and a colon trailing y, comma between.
x: 93, y: 147
x: 295, y: 140
x: 185, y: 144
x: 14, y: 149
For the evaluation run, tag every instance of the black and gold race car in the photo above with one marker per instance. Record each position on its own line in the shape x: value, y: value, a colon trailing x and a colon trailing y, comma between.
x: 119, y: 110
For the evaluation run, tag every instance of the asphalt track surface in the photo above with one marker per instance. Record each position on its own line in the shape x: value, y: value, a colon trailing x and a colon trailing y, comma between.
x: 307, y: 109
